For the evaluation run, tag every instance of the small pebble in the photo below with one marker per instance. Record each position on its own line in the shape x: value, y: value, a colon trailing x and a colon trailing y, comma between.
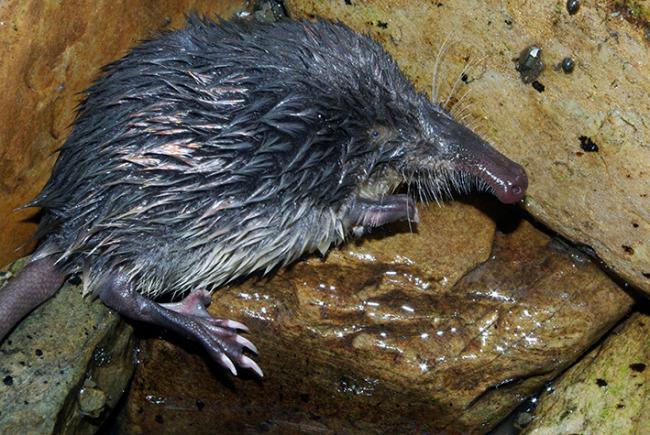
x: 529, y: 64
x: 568, y: 65
x: 572, y: 6
x: 4, y: 276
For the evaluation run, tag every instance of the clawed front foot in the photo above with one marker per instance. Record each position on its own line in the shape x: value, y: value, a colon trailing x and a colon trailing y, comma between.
x: 188, y: 317
x: 391, y: 208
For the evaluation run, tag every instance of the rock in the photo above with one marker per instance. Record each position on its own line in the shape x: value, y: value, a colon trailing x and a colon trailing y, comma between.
x: 607, y: 391
x: 51, y: 51
x: 374, y: 338
x: 391, y: 333
x: 544, y: 130
x: 268, y: 11
x: 65, y: 367
x: 92, y: 400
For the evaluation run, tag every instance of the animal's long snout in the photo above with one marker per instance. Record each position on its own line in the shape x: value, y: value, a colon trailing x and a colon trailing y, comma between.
x: 472, y: 154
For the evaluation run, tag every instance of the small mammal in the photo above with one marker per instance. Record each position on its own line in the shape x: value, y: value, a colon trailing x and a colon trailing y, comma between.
x: 229, y: 147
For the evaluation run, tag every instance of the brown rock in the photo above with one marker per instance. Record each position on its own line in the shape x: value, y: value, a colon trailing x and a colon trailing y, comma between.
x: 607, y: 391
x: 369, y: 340
x: 601, y: 199
x: 50, y: 51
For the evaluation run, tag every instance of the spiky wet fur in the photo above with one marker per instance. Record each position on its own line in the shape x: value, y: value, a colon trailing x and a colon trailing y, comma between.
x: 225, y: 148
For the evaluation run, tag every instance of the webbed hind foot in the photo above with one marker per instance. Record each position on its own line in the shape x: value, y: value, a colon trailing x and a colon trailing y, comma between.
x: 187, y: 317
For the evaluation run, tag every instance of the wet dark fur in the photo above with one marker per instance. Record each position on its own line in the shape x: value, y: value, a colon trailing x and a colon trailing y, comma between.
x: 213, y: 133
x: 229, y: 147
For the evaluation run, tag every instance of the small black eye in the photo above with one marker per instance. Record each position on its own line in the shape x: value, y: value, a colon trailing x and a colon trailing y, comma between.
x: 375, y: 133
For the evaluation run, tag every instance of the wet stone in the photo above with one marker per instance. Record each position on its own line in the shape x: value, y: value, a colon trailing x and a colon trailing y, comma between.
x: 530, y: 64
x: 51, y: 381
x: 92, y: 400
x: 375, y: 339
x: 268, y: 11
x: 572, y: 6
x: 567, y: 65
x: 606, y: 392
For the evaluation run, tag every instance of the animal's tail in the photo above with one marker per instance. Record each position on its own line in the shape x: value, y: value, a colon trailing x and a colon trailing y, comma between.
x: 37, y: 282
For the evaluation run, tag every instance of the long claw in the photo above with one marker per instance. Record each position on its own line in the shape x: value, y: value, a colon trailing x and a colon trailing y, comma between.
x: 246, y: 343
x: 225, y: 361
x: 235, y: 325
x: 250, y: 364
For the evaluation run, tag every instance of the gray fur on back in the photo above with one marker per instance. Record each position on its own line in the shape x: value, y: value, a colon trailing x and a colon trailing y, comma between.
x: 220, y: 149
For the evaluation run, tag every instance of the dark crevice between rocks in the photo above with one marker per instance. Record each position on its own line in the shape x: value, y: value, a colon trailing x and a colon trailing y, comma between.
x: 110, y: 425
x: 523, y: 415
x: 507, y: 216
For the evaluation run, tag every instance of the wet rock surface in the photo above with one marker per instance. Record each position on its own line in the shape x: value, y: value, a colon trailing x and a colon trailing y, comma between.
x: 447, y: 329
x: 600, y: 199
x: 65, y: 367
x: 374, y: 338
x: 607, y: 391
x: 50, y: 51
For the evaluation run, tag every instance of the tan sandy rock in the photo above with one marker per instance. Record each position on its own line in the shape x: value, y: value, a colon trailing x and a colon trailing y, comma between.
x: 607, y: 391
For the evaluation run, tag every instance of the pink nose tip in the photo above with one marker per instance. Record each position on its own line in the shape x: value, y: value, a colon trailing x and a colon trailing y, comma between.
x: 515, y: 188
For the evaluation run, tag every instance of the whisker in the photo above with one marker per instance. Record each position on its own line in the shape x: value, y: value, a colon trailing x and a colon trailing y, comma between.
x: 466, y: 68
x: 454, y: 87
x: 462, y: 118
x: 435, y: 84
x: 442, y: 183
x: 460, y: 100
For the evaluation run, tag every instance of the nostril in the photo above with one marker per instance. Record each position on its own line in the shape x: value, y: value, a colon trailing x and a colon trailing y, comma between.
x: 523, y: 179
x: 517, y: 190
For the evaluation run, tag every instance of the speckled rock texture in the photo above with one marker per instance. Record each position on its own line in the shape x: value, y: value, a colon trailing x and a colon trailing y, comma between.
x: 63, y: 370
x: 600, y: 199
x: 608, y: 391
x: 50, y: 51
x: 400, y: 333
x: 447, y: 329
